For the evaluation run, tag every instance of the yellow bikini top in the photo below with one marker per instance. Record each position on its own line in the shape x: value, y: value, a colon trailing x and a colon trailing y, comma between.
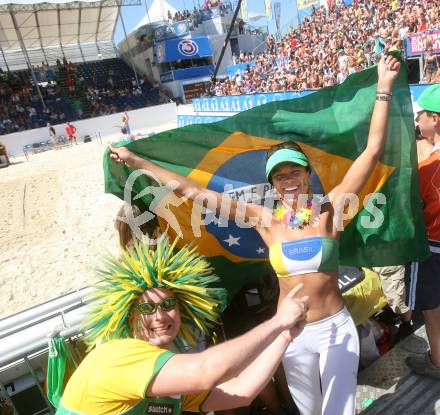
x: 305, y: 256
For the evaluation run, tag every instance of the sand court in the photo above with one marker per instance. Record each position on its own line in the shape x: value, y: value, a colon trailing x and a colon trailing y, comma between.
x: 56, y: 224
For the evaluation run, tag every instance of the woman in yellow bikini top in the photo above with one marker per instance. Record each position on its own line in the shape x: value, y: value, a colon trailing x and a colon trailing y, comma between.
x: 302, y: 239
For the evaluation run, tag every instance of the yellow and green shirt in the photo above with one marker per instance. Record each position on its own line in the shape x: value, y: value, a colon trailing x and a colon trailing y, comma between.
x: 114, y: 378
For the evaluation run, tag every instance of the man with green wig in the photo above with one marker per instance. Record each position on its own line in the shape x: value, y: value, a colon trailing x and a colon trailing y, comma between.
x: 148, y: 304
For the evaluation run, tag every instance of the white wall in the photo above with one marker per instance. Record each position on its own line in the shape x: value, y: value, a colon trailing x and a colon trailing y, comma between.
x: 215, y: 26
x: 144, y: 120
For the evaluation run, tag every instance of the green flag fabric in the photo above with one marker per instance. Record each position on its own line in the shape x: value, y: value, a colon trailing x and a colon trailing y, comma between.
x: 332, y: 127
x: 59, y: 366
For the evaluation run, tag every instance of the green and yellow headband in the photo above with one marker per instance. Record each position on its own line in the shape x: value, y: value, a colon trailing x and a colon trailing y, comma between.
x: 125, y: 278
x: 285, y: 155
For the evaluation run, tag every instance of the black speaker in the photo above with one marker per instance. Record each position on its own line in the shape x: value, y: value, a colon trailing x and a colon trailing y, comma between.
x: 87, y: 139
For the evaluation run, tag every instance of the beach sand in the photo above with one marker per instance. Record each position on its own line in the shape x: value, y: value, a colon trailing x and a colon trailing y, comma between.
x: 56, y: 224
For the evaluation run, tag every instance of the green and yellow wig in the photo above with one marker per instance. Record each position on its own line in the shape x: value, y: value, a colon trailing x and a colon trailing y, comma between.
x: 181, y: 271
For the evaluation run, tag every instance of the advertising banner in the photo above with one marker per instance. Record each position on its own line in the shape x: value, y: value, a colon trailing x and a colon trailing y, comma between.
x: 237, y: 103
x: 244, y: 10
x: 268, y: 8
x: 183, y: 120
x: 277, y: 14
x: 305, y: 8
x: 415, y: 44
x: 170, y: 31
x: 181, y: 49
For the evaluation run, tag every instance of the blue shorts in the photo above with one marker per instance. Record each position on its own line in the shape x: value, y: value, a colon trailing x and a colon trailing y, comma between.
x: 423, y: 281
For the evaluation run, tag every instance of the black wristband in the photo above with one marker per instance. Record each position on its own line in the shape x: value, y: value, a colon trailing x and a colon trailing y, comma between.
x: 383, y: 97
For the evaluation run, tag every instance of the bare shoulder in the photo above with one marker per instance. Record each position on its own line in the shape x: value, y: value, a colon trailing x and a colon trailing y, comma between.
x: 326, y: 214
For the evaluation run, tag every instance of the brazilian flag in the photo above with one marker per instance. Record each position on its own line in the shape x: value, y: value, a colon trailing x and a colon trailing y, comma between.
x: 332, y: 127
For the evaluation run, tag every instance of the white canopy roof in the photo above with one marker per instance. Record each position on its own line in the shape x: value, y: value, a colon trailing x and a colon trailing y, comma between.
x: 156, y: 13
x: 60, y: 22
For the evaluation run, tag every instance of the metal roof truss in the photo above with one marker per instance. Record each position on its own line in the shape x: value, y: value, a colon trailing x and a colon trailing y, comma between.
x: 47, y: 25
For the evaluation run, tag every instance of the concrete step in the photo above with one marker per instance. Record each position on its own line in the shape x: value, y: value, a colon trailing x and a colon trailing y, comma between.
x: 392, y: 389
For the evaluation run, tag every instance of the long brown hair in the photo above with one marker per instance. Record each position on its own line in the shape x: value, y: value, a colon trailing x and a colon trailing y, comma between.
x: 126, y: 236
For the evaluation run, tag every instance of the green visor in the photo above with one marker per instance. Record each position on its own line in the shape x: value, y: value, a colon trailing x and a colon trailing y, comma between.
x: 430, y: 99
x: 285, y: 155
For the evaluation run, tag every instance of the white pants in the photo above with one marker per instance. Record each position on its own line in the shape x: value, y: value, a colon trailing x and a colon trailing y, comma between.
x: 321, y: 366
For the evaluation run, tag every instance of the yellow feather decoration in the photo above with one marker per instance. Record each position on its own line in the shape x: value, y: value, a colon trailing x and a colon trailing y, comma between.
x: 127, y: 277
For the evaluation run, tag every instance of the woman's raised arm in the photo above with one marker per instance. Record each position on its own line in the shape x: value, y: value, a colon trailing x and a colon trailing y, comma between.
x: 359, y: 172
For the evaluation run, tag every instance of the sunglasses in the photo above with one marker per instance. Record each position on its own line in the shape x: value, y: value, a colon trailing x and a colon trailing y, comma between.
x: 150, y: 307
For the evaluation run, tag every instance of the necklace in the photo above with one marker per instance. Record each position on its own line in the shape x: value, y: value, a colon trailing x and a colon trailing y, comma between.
x: 300, y: 218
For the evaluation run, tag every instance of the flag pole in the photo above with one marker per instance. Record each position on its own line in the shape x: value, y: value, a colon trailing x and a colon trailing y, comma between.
x: 148, y: 14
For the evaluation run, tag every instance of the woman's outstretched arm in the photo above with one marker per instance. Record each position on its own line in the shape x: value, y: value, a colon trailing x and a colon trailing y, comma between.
x: 228, y: 208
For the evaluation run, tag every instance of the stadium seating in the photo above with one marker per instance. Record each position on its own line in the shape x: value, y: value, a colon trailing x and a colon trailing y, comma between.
x: 60, y: 96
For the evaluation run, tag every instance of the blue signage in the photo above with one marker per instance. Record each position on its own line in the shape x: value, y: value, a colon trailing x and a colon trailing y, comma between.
x: 241, y: 67
x: 188, y: 73
x: 181, y: 49
x: 170, y: 31
x: 237, y: 103
x: 183, y: 120
x: 416, y: 90
x: 194, y: 72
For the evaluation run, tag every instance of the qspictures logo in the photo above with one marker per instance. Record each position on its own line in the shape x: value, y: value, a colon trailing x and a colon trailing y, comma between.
x: 228, y: 230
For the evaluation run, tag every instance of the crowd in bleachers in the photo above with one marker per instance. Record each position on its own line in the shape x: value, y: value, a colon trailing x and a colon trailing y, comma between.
x: 21, y: 107
x: 196, y: 16
x: 327, y: 47
x: 70, y: 92
x: 331, y: 44
x: 110, y: 99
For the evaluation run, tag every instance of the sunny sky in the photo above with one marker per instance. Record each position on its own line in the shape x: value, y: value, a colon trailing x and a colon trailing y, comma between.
x: 133, y: 14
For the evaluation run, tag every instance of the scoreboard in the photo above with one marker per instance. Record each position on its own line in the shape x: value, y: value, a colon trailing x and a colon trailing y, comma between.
x: 195, y: 89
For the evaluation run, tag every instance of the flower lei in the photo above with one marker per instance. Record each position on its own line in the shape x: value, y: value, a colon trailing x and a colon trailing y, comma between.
x: 296, y: 219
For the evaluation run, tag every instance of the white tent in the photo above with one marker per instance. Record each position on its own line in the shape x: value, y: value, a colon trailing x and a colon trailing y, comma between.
x: 157, y: 12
